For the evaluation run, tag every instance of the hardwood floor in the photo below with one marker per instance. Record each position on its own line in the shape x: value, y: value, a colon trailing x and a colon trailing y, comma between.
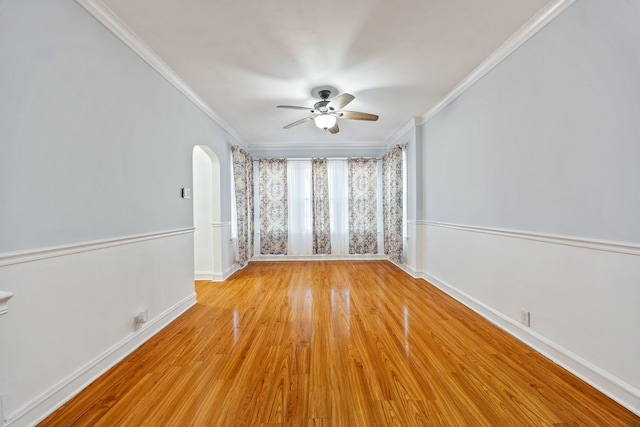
x: 340, y: 344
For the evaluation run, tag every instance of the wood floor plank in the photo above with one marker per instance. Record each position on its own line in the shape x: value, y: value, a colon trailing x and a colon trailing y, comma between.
x: 335, y: 344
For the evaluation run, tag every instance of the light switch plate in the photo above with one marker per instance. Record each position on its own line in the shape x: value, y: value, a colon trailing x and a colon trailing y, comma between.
x: 186, y: 193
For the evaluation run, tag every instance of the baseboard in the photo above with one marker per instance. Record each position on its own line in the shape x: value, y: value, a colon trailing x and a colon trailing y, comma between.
x: 203, y: 275
x: 272, y: 258
x: 613, y: 387
x: 50, y: 400
x: 226, y: 274
x: 216, y: 277
x: 411, y: 271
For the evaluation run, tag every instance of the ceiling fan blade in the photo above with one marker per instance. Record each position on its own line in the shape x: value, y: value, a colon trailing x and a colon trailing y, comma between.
x: 340, y: 101
x: 297, y: 122
x: 356, y: 115
x: 294, y: 107
x: 334, y: 128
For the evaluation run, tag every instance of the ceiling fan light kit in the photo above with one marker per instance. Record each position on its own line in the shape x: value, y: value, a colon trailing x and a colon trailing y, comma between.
x: 327, y: 112
x: 325, y: 121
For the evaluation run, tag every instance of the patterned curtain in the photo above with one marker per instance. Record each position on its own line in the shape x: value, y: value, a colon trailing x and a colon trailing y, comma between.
x: 363, y: 180
x: 392, y: 203
x: 274, y: 235
x: 320, y: 207
x: 243, y: 185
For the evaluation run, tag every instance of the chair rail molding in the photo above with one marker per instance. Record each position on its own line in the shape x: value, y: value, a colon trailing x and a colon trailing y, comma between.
x: 221, y: 224
x: 74, y: 248
x: 579, y: 242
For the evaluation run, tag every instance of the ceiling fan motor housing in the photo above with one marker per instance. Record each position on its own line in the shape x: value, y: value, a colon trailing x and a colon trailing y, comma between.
x: 321, y: 106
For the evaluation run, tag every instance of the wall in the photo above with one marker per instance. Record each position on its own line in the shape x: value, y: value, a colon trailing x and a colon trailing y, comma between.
x: 96, y: 147
x: 202, y: 215
x: 531, y: 196
x: 411, y: 136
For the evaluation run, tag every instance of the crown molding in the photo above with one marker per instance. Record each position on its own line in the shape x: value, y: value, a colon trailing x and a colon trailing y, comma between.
x: 528, y: 30
x: 399, y: 133
x: 113, y: 23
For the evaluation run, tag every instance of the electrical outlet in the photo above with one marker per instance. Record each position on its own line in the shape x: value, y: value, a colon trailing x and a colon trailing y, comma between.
x: 142, y: 317
x: 525, y: 317
x: 139, y: 320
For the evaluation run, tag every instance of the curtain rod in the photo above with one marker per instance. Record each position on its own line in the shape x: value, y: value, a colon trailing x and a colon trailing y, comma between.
x: 255, y: 159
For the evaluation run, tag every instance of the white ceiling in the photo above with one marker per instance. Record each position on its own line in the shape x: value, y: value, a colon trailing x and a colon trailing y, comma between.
x: 244, y: 57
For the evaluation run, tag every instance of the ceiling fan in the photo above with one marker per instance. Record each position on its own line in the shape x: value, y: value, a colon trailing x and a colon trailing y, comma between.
x: 327, y: 112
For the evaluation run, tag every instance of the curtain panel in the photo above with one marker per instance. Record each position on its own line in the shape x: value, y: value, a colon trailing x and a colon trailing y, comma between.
x: 274, y: 234
x: 392, y: 209
x: 243, y: 188
x: 363, y: 180
x: 321, y: 228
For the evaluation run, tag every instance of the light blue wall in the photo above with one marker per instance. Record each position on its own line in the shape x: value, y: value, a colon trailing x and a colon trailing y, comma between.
x: 94, y: 143
x: 549, y: 141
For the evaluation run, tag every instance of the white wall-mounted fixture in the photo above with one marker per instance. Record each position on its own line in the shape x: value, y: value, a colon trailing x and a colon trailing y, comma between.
x: 525, y: 317
x: 4, y: 298
x: 186, y: 193
x: 141, y: 318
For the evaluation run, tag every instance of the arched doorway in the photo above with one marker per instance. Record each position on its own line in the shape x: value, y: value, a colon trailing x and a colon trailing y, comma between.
x: 206, y: 214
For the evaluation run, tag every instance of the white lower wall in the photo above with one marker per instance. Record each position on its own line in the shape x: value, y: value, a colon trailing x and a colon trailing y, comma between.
x: 583, y: 296
x: 224, y: 252
x: 413, y: 244
x: 222, y: 257
x: 72, y: 314
x: 203, y: 213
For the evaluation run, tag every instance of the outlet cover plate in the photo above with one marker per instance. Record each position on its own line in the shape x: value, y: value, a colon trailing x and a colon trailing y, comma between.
x: 525, y: 317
